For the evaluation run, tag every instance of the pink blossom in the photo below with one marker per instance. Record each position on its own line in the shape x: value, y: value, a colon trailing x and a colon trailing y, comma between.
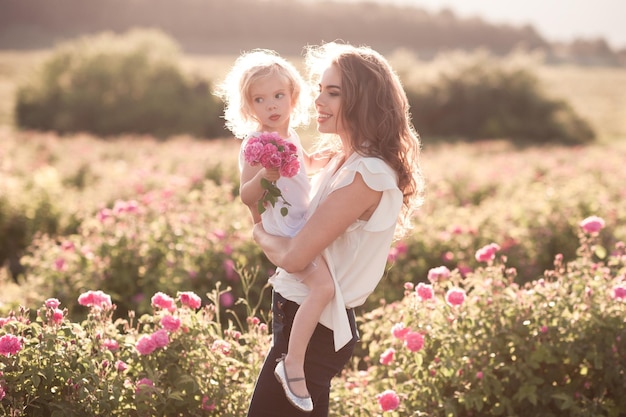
x: 455, y: 296
x: 111, y: 344
x: 2, y: 392
x: 221, y: 346
x: 439, y: 273
x: 229, y: 268
x: 207, y: 405
x: 479, y: 375
x: 146, y: 345
x: 387, y: 357
x: 425, y: 291
x: 67, y: 245
x: 10, y: 345
x: 57, y: 316
x: 96, y: 299
x: 163, y: 301
x: 592, y: 224
x: 487, y: 253
x: 121, y: 366
x: 227, y: 299
x: 189, y: 299
x: 619, y: 292
x: 388, y: 400
x: 104, y: 214
x: 5, y: 320
x: 399, y: 331
x: 143, y: 383
x: 170, y: 323
x: 52, y: 303
x: 414, y: 341
x: 290, y: 168
x: 59, y: 264
x: 161, y: 338
x: 544, y: 329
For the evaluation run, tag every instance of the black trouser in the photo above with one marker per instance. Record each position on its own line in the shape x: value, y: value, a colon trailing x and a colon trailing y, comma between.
x: 321, y: 364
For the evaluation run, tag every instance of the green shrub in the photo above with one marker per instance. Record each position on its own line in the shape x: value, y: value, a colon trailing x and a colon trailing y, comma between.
x: 106, y: 367
x: 552, y: 347
x: 476, y: 97
x: 109, y: 85
x: 167, y: 240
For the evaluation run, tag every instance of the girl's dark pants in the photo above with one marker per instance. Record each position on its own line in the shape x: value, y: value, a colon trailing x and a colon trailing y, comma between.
x: 321, y: 364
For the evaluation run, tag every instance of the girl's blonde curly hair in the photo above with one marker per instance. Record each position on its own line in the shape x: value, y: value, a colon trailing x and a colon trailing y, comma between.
x: 235, y: 90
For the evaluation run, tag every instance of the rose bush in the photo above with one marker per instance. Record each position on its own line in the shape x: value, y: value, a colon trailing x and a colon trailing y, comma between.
x: 551, y: 347
x: 176, y: 361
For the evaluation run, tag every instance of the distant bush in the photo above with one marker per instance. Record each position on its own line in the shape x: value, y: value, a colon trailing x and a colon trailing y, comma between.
x: 113, y: 84
x: 476, y: 97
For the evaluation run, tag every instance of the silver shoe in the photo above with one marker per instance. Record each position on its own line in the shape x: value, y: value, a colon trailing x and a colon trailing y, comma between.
x: 302, y: 403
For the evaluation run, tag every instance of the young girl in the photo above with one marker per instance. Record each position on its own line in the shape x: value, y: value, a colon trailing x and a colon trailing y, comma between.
x: 264, y: 93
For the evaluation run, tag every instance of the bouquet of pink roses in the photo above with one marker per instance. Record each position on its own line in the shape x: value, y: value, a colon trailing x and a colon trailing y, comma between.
x: 271, y: 151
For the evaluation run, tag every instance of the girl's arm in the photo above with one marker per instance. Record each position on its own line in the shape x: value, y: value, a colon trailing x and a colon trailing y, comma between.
x: 250, y: 189
x: 316, y: 161
x: 329, y: 221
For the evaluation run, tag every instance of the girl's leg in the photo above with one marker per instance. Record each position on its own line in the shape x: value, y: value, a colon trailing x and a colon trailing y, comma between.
x: 322, y: 291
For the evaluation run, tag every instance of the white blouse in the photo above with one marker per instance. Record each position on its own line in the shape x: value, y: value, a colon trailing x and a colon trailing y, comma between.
x: 358, y: 257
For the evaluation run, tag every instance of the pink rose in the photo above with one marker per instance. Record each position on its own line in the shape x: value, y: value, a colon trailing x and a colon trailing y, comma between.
x: 439, y: 273
x: 592, y: 224
x: 57, y: 316
x: 142, y: 384
x: 388, y: 400
x: 619, y: 292
x: 399, y: 331
x: 52, y: 303
x: 161, y: 338
x: 414, y: 341
x: 189, y: 299
x: 455, y: 296
x: 387, y: 357
x: 145, y: 345
x: 487, y: 253
x: 170, y: 323
x: 290, y: 168
x: 425, y: 291
x: 111, y: 344
x: 121, y: 366
x: 96, y: 299
x: 10, y: 345
x: 163, y: 301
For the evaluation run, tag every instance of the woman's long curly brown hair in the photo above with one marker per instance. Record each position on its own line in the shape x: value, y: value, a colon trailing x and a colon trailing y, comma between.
x: 375, y: 112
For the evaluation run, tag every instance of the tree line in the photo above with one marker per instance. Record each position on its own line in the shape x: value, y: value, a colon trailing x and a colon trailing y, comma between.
x: 220, y: 27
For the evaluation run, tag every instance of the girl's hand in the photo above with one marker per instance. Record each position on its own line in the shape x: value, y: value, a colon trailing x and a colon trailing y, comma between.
x: 271, y: 174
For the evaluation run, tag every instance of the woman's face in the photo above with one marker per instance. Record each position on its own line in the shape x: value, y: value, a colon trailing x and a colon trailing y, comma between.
x: 328, y: 102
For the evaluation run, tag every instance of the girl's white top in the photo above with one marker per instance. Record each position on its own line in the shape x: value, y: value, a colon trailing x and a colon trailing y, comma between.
x: 358, y: 257
x: 295, y: 190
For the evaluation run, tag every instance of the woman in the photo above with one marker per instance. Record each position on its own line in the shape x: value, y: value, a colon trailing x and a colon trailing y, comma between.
x: 361, y: 200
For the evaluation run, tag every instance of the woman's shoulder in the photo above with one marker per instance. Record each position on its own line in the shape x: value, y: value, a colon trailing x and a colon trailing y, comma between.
x: 371, y: 163
x: 376, y: 172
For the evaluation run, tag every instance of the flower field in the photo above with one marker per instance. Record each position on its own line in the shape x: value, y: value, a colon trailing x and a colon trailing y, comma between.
x: 142, y: 294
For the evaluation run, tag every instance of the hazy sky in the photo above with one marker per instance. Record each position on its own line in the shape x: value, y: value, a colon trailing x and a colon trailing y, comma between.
x: 555, y: 20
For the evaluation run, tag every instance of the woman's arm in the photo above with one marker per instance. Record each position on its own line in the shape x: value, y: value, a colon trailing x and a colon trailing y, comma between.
x: 329, y: 221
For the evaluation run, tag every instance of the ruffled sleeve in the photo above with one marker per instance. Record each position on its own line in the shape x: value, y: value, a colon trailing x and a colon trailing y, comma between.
x: 379, y: 177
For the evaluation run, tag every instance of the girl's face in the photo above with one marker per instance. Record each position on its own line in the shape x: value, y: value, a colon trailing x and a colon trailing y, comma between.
x: 328, y: 102
x: 271, y: 103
